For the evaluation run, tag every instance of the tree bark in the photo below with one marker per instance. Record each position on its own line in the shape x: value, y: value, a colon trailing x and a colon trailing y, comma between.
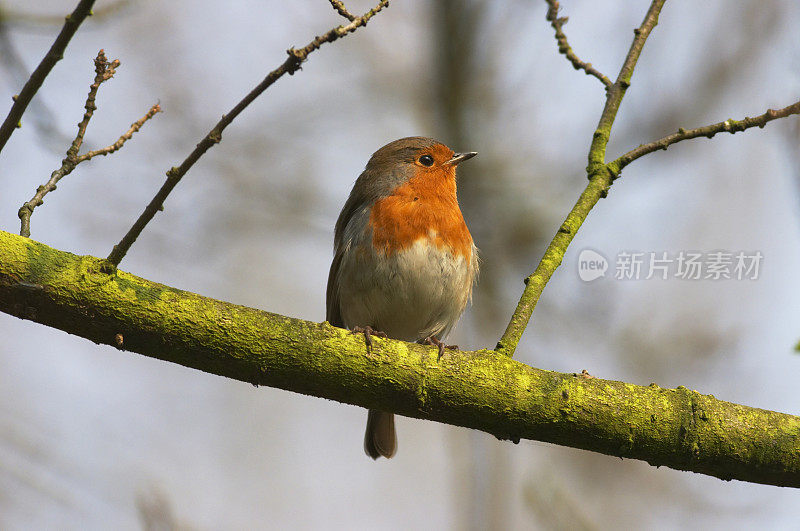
x: 484, y: 390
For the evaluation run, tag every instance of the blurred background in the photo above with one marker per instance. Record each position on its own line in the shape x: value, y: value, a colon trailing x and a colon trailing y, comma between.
x: 93, y: 438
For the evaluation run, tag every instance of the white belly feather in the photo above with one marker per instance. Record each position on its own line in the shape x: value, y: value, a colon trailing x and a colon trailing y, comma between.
x: 409, y: 294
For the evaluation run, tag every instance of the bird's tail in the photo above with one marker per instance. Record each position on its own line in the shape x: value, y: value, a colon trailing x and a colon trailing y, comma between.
x: 380, y: 438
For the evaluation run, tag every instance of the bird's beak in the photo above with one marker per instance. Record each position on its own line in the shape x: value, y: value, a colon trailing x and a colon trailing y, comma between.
x: 461, y: 157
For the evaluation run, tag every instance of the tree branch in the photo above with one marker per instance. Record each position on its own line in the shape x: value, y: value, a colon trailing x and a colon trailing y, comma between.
x: 600, y: 179
x: 56, y: 52
x: 563, y: 45
x: 103, y: 72
x: 728, y: 126
x: 339, y: 7
x: 678, y: 428
x: 174, y: 175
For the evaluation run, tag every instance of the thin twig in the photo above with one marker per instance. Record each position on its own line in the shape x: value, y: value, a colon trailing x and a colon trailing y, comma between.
x: 56, y: 52
x: 104, y: 71
x: 728, y: 126
x: 17, y: 73
x: 564, y: 48
x: 290, y: 66
x: 339, y: 7
x: 135, y: 126
x: 600, y: 178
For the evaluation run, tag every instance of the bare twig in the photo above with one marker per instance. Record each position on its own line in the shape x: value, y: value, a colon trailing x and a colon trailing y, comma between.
x: 564, y: 48
x: 600, y: 178
x: 728, y: 126
x: 56, y: 52
x: 104, y: 71
x: 135, y: 126
x: 289, y: 66
x: 339, y: 7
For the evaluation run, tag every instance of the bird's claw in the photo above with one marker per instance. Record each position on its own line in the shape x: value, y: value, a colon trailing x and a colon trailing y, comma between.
x: 433, y: 340
x: 368, y: 332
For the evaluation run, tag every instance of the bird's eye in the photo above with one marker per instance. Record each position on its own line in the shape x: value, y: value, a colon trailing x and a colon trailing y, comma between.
x: 426, y: 160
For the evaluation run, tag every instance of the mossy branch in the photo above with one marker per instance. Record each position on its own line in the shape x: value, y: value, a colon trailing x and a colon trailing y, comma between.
x: 600, y: 179
x: 484, y: 390
x: 602, y: 174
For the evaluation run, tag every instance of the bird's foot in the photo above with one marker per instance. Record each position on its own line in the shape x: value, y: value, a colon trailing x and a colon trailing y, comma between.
x: 368, y: 332
x: 433, y: 340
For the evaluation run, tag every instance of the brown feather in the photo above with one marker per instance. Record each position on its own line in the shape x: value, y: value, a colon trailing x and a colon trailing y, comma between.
x: 333, y: 313
x: 380, y: 439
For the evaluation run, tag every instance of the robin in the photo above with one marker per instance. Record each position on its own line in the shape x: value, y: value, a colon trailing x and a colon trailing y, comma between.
x: 404, y: 262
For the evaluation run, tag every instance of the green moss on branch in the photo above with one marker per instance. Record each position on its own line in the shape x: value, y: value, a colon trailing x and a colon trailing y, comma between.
x: 483, y: 390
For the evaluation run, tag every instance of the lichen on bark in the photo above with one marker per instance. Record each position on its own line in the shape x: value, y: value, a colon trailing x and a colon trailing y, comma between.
x: 481, y: 389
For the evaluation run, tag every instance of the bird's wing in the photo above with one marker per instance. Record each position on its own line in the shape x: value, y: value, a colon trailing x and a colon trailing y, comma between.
x: 333, y: 312
x: 333, y: 309
x: 366, y: 191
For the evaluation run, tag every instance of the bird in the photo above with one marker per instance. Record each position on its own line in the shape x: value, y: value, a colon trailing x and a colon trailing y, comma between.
x: 404, y: 262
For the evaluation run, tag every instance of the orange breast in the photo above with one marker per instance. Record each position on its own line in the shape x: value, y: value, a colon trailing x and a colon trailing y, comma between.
x: 425, y: 207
